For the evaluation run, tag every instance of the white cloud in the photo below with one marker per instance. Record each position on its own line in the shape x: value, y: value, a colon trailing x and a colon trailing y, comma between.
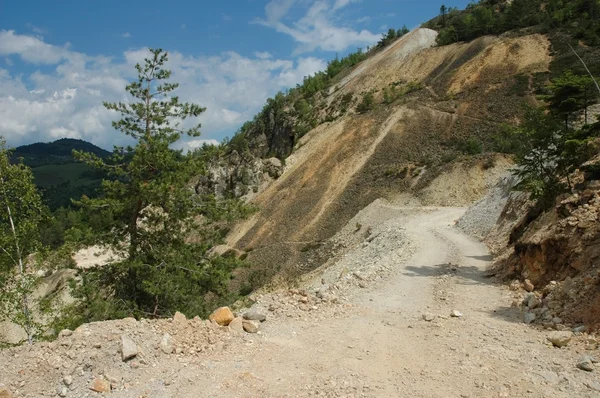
x: 277, y: 9
x: 193, y: 144
x: 30, y: 49
x: 263, y: 54
x: 317, y: 28
x: 343, y: 3
x: 64, y: 99
x: 36, y: 29
x: 126, y: 35
x: 183, y: 26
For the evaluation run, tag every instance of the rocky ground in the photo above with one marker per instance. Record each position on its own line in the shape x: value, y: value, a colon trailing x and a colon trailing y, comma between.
x: 405, y: 310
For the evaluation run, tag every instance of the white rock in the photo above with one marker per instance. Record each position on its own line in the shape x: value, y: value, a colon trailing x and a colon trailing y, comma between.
x: 559, y: 339
x: 128, y: 348
x: 167, y: 345
x: 456, y: 314
x: 428, y: 317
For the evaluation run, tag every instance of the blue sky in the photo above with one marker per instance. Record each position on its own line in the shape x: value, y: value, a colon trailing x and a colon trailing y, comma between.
x: 60, y: 59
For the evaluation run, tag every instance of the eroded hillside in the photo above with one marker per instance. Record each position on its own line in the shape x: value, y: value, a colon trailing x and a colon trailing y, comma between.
x: 410, y: 148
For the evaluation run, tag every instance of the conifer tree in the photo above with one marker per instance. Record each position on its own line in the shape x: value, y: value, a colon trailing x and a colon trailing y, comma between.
x: 159, y: 266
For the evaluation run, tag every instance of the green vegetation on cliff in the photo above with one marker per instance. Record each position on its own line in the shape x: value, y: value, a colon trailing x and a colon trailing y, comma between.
x: 580, y: 17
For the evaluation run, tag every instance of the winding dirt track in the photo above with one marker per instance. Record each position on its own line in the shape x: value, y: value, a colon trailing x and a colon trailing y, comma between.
x: 382, y: 347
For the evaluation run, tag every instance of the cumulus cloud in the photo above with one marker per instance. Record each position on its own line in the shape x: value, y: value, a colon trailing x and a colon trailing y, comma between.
x: 30, y: 49
x: 318, y: 28
x: 64, y: 99
x: 126, y: 35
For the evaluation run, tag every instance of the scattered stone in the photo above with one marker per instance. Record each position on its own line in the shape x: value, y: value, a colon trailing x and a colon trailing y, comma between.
x: 250, y: 326
x: 529, y: 317
x: 456, y: 314
x: 68, y: 380
x: 223, y: 316
x: 236, y: 325
x: 428, y: 317
x: 579, y: 329
x: 534, y: 302
x: 585, y: 363
x: 593, y: 385
x: 167, y: 344
x: 528, y: 286
x: 362, y: 285
x: 128, y: 348
x: 560, y: 339
x: 254, y: 315
x: 100, y: 385
x: 303, y: 300
x: 62, y: 391
x: 557, y: 320
x: 65, y: 333
x: 515, y: 285
x: 179, y: 318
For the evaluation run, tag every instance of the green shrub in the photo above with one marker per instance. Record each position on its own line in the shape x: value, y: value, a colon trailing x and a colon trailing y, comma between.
x: 367, y: 103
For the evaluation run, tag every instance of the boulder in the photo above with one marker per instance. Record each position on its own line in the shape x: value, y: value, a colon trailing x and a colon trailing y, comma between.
x: 529, y: 317
x: 167, y: 344
x: 585, y: 363
x: 254, y: 315
x: 128, y: 348
x: 236, y: 325
x: 100, y: 385
x: 250, y: 326
x: 559, y: 339
x: 222, y: 316
x: 179, y: 318
x: 528, y: 286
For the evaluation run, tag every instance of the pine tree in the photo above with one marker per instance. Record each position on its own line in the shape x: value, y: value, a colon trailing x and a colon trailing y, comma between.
x: 160, y: 267
x: 570, y: 93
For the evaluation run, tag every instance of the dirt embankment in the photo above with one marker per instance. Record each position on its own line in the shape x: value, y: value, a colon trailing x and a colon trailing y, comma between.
x: 466, y: 92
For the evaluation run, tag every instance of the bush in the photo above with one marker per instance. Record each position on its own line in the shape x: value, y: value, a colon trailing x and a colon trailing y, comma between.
x: 366, y: 104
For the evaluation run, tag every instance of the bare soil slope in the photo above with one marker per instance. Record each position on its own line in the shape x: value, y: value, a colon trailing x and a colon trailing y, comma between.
x: 468, y: 91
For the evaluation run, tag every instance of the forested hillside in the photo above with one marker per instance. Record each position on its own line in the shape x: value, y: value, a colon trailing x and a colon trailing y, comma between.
x: 59, y: 176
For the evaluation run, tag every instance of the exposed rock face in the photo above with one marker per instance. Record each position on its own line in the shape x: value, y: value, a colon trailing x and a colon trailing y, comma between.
x: 555, y: 251
x: 237, y: 175
x: 277, y: 138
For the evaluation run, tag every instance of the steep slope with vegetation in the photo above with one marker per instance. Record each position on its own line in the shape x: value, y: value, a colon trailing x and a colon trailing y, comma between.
x: 412, y: 111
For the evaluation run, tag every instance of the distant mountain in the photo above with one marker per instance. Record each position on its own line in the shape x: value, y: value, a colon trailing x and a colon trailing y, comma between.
x: 59, y: 176
x: 57, y: 152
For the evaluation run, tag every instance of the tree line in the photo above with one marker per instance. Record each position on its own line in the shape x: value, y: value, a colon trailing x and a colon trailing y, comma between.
x: 580, y: 17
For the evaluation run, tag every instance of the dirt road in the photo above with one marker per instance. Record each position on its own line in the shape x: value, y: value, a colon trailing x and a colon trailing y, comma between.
x: 381, y: 346
x: 398, y: 266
